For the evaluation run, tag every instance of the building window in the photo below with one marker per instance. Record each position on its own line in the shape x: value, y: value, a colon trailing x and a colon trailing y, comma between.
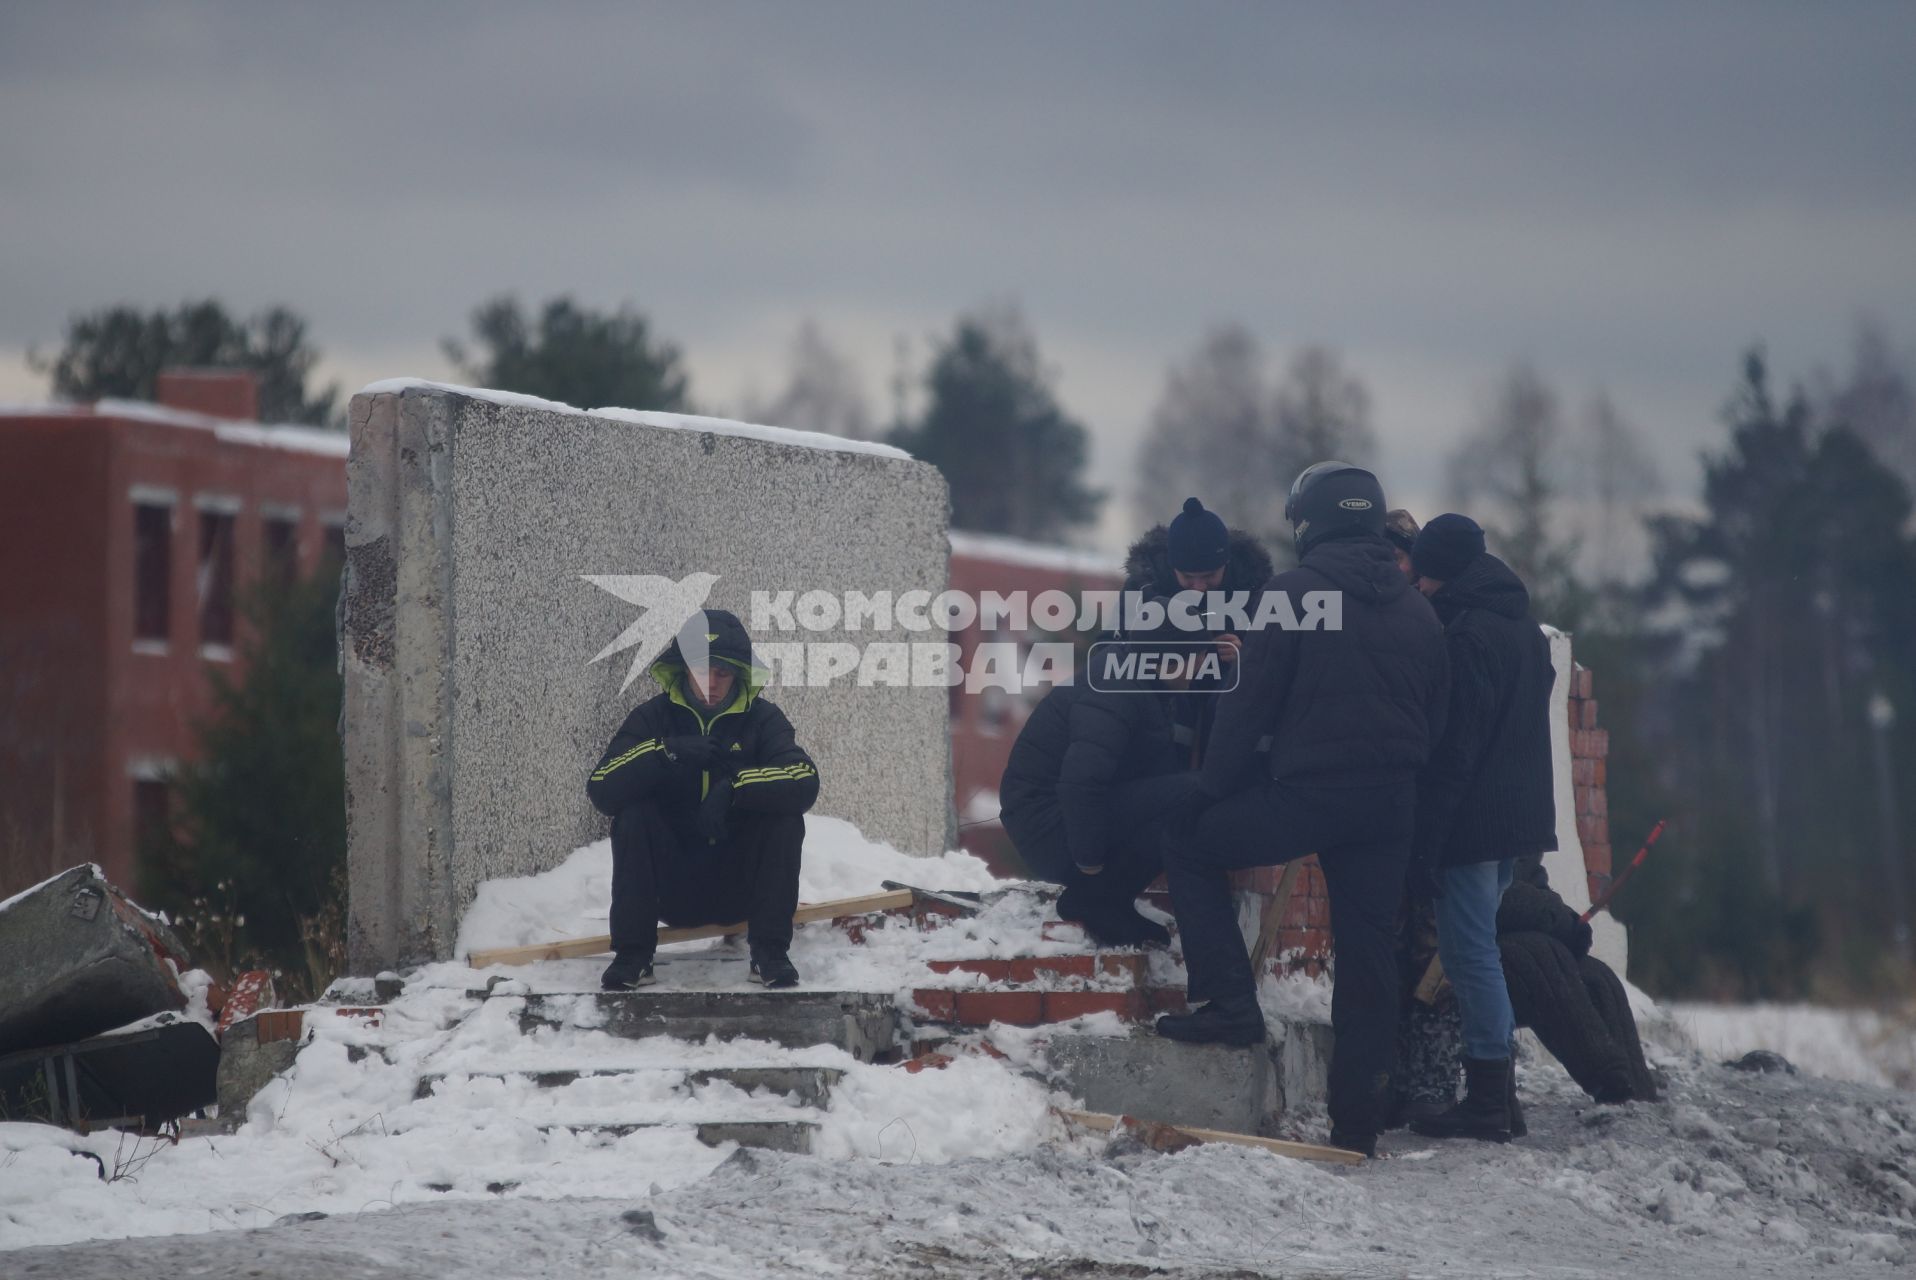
x: 216, y: 579
x: 282, y: 548
x: 152, y: 811
x: 152, y: 571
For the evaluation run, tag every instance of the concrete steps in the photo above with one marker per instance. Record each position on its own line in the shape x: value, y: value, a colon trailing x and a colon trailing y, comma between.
x: 863, y: 1024
x: 804, y: 1086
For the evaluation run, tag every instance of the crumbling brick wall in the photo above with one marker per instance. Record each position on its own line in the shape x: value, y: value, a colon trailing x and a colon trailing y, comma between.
x: 1304, y: 937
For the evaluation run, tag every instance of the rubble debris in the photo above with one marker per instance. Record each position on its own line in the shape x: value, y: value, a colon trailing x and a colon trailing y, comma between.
x: 81, y: 960
x: 139, y: 1076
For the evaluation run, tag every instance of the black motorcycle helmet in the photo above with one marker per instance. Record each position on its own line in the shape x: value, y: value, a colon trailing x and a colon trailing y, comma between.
x: 1333, y: 497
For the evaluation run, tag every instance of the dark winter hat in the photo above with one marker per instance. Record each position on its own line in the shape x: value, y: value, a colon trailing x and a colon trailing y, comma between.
x: 1446, y: 547
x: 1197, y: 541
x: 1329, y: 498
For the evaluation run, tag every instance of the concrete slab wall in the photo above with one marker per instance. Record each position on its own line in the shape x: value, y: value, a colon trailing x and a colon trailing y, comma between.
x: 471, y: 714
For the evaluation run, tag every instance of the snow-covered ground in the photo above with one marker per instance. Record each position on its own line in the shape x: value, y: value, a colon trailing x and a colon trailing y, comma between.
x: 346, y: 1166
x: 1865, y: 1046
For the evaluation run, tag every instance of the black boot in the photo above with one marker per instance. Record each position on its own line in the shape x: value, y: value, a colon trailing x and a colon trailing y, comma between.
x: 1364, y: 1144
x: 1405, y: 1109
x: 774, y: 969
x: 629, y: 969
x: 1236, y: 1021
x: 1485, y: 1111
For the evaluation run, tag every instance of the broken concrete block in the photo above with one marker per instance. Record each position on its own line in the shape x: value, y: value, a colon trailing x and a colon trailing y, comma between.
x: 1201, y: 1085
x: 81, y: 960
x: 248, y: 1061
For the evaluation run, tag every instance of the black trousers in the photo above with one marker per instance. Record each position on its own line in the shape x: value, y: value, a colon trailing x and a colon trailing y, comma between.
x: 1362, y: 841
x: 663, y: 871
x: 1141, y: 813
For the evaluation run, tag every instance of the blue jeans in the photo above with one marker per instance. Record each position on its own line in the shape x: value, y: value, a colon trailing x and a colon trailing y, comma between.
x: 1467, y: 942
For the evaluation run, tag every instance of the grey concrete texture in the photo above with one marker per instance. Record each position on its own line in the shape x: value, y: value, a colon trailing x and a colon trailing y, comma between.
x: 471, y: 715
x: 79, y: 960
x: 863, y: 1023
x: 246, y: 1067
x: 1204, y: 1086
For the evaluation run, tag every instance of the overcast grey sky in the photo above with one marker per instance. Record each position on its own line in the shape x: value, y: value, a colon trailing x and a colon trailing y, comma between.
x: 1626, y: 195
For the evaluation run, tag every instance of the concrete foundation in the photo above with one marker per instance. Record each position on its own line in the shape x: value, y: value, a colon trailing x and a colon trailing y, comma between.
x: 473, y: 711
x: 1205, y: 1086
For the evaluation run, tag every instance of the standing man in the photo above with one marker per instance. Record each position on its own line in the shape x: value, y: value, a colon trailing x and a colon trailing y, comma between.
x: 1484, y: 800
x: 707, y: 789
x: 1349, y: 713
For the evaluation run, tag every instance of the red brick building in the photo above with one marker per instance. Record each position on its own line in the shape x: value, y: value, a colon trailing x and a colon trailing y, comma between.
x: 128, y: 531
x: 984, y: 724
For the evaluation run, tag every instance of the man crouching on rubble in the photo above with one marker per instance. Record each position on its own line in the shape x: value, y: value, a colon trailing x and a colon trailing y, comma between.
x: 707, y: 789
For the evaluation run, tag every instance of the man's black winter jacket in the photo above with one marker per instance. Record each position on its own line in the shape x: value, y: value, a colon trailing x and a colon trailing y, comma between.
x: 1081, y: 743
x: 1358, y: 706
x: 759, y: 753
x: 1488, y: 792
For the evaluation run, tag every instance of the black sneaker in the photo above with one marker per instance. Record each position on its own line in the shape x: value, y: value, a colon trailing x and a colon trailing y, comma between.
x: 628, y: 971
x: 773, y: 969
x: 1236, y: 1022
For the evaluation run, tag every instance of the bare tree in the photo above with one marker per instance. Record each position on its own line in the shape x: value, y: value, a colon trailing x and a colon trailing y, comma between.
x: 1211, y: 435
x: 1620, y: 477
x: 1321, y: 412
x: 822, y: 391
x: 1875, y: 399
x: 1509, y: 475
x: 1220, y: 431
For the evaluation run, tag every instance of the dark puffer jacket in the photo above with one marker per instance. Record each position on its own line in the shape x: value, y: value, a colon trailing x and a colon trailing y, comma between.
x: 1572, y: 1000
x: 1076, y: 748
x: 1355, y: 707
x: 761, y: 760
x: 1147, y: 566
x: 1488, y: 793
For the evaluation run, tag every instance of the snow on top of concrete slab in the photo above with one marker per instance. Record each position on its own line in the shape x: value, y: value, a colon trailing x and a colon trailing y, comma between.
x: 648, y: 418
x: 1035, y: 555
x: 288, y: 435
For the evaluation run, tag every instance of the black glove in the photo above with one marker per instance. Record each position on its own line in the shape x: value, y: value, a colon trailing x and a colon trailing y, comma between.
x: 695, y: 749
x: 715, y: 811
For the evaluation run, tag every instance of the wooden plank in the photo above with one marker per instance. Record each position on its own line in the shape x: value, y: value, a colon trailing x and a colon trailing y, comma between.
x: 1273, y: 918
x: 1432, y: 983
x: 1172, y: 1137
x: 573, y: 948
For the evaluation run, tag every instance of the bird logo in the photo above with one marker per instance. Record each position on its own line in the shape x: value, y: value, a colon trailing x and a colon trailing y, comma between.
x: 666, y: 606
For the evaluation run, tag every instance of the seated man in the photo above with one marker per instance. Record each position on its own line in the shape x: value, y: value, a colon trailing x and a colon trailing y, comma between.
x: 707, y: 788
x: 1094, y: 774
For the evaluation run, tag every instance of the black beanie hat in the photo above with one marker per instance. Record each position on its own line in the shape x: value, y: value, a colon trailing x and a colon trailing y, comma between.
x: 1446, y: 547
x: 1197, y: 541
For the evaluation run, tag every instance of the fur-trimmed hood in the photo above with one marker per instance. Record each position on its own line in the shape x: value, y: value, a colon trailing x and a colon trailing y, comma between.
x: 1147, y: 566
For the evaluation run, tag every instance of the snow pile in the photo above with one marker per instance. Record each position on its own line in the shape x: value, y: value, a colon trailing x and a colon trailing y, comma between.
x: 358, y: 1125
x: 1859, y: 1045
x: 573, y: 899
